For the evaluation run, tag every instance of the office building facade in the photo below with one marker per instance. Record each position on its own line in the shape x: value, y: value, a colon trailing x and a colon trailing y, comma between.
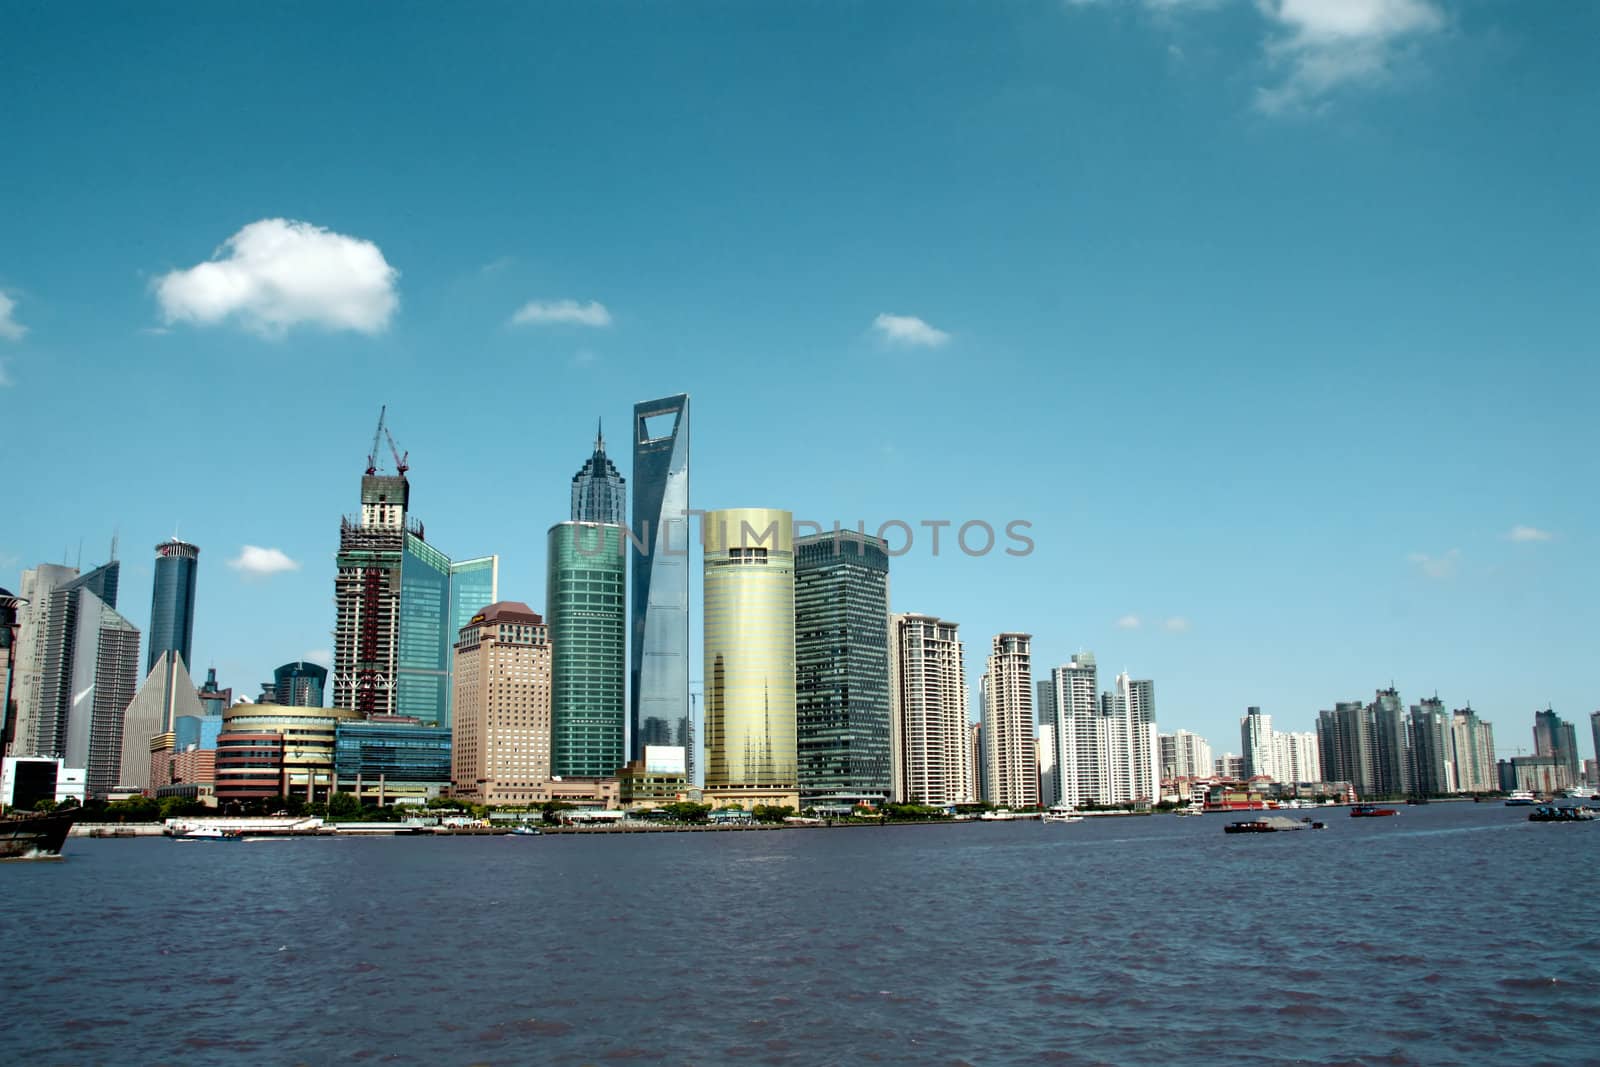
x: 1556, y: 738
x: 500, y: 751
x: 172, y: 602
x: 750, y: 725
x: 166, y: 695
x: 300, y: 684
x: 658, y: 666
x: 599, y: 493
x: 384, y: 762
x: 586, y: 605
x: 932, y: 741
x: 841, y: 635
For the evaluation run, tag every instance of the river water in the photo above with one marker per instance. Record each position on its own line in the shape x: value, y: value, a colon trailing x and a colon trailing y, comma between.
x: 1453, y: 933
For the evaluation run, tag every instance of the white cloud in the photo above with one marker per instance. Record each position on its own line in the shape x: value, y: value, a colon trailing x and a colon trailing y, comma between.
x: 1128, y: 622
x: 255, y: 561
x: 323, y: 657
x: 1437, y: 566
x: 1528, y: 533
x: 277, y: 273
x: 1177, y: 624
x: 566, y: 312
x: 908, y: 330
x: 1331, y: 44
x: 10, y: 328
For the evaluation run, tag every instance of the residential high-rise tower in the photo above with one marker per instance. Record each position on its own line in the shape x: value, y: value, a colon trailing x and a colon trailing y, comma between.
x: 931, y: 733
x: 1012, y: 765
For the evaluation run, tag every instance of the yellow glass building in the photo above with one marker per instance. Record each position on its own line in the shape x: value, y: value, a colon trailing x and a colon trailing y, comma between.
x: 749, y: 648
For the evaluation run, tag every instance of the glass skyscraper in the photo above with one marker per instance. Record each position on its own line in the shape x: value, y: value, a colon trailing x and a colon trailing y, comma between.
x: 659, y: 616
x: 598, y: 491
x: 300, y: 684
x: 422, y: 661
x: 172, y: 602
x: 750, y: 657
x: 474, y: 585
x: 841, y: 638
x: 586, y: 609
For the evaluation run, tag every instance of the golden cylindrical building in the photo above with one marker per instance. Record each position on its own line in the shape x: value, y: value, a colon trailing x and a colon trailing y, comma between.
x: 749, y: 647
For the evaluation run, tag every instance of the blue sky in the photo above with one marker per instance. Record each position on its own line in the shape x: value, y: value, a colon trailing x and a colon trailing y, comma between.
x: 1276, y: 320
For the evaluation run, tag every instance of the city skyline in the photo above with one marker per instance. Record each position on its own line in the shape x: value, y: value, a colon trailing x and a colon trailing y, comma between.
x: 1271, y: 298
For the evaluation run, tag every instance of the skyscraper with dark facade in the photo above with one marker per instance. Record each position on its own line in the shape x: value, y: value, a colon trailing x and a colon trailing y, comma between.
x: 599, y: 493
x: 300, y: 684
x: 841, y: 645
x: 1558, y: 739
x: 658, y: 666
x: 1391, y: 757
x: 172, y: 602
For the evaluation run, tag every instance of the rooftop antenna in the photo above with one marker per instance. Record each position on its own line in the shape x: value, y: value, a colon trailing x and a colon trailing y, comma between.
x: 113, y: 546
x: 599, y: 435
x: 78, y: 565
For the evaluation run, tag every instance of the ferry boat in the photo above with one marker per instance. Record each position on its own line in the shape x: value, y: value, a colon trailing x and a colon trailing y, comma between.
x: 1062, y: 813
x: 1370, y: 811
x: 524, y: 830
x: 1520, y: 798
x: 33, y: 836
x: 208, y: 833
x: 1002, y: 815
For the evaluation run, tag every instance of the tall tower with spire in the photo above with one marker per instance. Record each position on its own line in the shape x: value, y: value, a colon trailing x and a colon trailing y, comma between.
x: 598, y: 491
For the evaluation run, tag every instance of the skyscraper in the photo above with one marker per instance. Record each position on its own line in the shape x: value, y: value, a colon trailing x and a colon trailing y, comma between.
x: 172, y: 602
x: 750, y: 657
x: 1432, y: 753
x: 1135, y: 708
x: 1391, y: 764
x: 300, y: 684
x: 1556, y: 738
x: 396, y: 598
x: 1594, y: 728
x: 932, y: 736
x: 586, y: 604
x: 1346, y: 746
x: 10, y: 607
x: 32, y: 619
x: 501, y: 744
x: 214, y: 700
x: 1255, y: 737
x: 1012, y: 765
x: 1081, y: 734
x: 599, y: 493
x: 87, y: 664
x: 659, y: 616
x: 841, y: 634
x: 1472, y: 740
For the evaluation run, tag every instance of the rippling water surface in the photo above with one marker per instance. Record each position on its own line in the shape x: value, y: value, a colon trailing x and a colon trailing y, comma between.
x: 1454, y: 933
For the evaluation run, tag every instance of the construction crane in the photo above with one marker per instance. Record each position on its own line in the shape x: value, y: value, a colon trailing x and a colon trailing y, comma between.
x: 400, y: 465
x: 377, y: 435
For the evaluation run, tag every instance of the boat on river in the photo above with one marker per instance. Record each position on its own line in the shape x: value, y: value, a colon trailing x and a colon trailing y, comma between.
x: 1062, y: 813
x: 209, y: 833
x: 35, y: 835
x: 1270, y: 824
x: 1552, y: 813
x: 1520, y: 798
x: 1370, y: 811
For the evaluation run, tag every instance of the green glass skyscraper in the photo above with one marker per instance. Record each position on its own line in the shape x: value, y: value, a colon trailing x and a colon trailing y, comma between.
x: 586, y: 606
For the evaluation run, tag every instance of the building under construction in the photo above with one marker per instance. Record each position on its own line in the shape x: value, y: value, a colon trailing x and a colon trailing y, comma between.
x: 398, y: 599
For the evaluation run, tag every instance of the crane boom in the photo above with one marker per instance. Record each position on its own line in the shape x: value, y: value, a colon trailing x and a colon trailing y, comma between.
x: 400, y: 465
x: 377, y: 435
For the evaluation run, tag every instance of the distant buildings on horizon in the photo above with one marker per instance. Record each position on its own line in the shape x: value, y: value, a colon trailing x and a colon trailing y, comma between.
x: 816, y: 694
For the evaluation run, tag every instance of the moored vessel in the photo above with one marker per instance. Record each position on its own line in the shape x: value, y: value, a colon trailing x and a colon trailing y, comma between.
x: 35, y: 836
x: 1370, y: 811
x: 1062, y: 813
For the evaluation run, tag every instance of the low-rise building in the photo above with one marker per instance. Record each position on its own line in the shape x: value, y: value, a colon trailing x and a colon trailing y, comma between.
x: 390, y: 759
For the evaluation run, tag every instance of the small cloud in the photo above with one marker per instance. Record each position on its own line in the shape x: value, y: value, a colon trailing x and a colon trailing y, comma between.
x: 10, y: 328
x: 909, y: 331
x: 322, y: 657
x: 1528, y: 533
x: 156, y: 331
x: 1326, y: 45
x: 563, y: 312
x: 495, y: 266
x: 1437, y: 566
x: 278, y: 273
x: 1177, y: 624
x: 1128, y: 622
x: 255, y: 561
